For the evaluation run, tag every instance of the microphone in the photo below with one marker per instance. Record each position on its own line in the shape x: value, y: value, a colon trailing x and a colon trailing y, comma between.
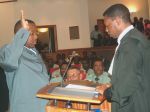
x: 69, y: 62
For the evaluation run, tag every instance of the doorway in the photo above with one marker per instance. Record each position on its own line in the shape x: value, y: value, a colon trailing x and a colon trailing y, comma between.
x: 47, y: 38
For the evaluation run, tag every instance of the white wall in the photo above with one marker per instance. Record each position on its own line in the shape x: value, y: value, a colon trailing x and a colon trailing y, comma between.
x: 97, y: 7
x: 149, y: 7
x: 6, y: 22
x: 62, y: 13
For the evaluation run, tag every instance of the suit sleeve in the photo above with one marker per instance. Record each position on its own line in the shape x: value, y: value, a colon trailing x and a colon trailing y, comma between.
x: 10, y: 54
x: 108, y: 94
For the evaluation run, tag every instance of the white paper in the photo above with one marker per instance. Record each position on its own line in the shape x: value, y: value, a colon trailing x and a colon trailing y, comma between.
x: 73, y: 86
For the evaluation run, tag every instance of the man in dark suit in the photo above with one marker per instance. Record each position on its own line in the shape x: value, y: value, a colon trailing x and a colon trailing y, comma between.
x: 130, y: 70
x: 4, y: 95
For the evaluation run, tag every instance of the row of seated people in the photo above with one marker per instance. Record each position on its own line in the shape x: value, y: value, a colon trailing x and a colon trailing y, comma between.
x: 80, y: 71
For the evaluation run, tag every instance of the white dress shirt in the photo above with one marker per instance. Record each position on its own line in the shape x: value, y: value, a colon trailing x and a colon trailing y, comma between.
x: 119, y: 40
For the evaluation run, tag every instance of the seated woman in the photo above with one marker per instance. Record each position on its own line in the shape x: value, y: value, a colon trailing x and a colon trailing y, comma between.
x: 99, y: 75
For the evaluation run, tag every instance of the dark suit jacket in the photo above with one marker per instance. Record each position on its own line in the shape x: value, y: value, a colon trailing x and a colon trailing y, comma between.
x: 4, y: 95
x: 131, y: 74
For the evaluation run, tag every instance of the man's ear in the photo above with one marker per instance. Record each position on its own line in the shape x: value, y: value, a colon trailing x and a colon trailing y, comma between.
x: 118, y: 21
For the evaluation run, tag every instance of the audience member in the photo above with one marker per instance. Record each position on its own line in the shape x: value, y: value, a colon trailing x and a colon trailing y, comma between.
x: 57, y: 75
x: 86, y: 67
x: 76, y: 62
x: 84, y: 55
x: 147, y: 28
x: 106, y: 64
x: 50, y: 64
x: 99, y: 75
x: 59, y: 62
x: 135, y: 22
x: 91, y: 56
x: 146, y: 24
x: 140, y: 25
x: 73, y: 73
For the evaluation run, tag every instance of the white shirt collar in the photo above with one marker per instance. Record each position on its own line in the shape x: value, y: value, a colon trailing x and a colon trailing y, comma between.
x: 124, y: 33
x: 118, y: 40
x: 30, y: 50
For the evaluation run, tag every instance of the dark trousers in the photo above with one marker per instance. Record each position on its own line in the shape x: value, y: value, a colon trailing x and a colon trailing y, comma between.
x: 4, y: 94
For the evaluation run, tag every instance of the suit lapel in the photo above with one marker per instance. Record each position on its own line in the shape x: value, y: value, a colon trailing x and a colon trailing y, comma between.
x: 117, y: 63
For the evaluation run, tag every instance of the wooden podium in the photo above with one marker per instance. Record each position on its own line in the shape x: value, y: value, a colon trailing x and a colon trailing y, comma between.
x: 59, y: 102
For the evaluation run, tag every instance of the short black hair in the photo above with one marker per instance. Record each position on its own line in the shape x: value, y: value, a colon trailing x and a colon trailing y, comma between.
x: 118, y: 10
x: 18, y: 25
x: 97, y: 59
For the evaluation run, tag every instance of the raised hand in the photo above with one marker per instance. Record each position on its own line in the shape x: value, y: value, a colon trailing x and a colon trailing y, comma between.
x: 23, y: 21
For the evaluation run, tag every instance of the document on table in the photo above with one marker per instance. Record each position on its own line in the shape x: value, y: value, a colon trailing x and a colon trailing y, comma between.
x: 86, y: 88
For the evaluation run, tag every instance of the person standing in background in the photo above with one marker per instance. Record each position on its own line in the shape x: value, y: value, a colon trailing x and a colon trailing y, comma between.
x: 95, y: 35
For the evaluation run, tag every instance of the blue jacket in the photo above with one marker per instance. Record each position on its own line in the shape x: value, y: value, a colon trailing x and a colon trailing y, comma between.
x: 25, y: 73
